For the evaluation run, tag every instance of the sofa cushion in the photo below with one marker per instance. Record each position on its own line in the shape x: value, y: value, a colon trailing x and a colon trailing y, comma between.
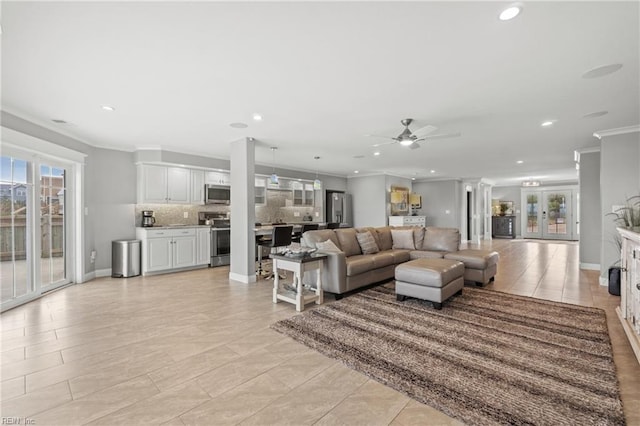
x: 441, y: 239
x: 367, y: 243
x: 327, y: 246
x: 403, y: 239
x: 359, y: 264
x: 382, y: 259
x: 385, y: 240
x: 418, y: 236
x: 310, y: 238
x: 426, y: 254
x: 474, y: 259
x: 399, y: 255
x: 348, y: 241
x: 429, y: 272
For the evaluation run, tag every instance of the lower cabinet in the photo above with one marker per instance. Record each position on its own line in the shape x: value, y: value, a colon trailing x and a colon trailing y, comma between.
x: 503, y: 226
x: 167, y: 249
x: 203, y: 241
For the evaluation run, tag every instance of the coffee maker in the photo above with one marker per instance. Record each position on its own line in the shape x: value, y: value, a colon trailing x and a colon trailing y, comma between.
x: 147, y: 218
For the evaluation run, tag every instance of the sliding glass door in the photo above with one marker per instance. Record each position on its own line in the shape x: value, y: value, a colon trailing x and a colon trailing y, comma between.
x: 15, y: 215
x: 34, y: 229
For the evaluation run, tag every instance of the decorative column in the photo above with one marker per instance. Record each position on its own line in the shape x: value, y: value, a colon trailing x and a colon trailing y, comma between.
x: 243, y: 214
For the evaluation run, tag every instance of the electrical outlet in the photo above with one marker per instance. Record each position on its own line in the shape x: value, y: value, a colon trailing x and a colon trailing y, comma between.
x: 296, y: 214
x: 317, y: 214
x: 93, y: 256
x: 186, y: 215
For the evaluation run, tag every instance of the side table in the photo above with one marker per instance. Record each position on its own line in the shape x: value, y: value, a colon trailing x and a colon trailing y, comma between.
x: 298, y: 265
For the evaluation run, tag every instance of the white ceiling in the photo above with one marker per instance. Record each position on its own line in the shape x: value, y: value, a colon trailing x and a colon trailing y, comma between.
x: 324, y: 75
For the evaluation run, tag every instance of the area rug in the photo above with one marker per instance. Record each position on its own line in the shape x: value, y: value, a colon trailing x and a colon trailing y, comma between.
x: 486, y: 358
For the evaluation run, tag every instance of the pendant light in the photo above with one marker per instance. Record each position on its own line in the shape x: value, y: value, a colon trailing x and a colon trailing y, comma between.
x: 317, y: 184
x: 274, y: 177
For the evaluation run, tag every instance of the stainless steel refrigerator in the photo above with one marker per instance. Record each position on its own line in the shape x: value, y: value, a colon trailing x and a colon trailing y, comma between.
x: 339, y: 208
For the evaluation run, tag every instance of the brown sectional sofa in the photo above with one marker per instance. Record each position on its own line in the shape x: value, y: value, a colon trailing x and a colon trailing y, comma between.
x: 350, y: 269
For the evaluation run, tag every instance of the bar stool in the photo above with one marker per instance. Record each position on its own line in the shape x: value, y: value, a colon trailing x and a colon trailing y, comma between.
x: 297, y: 236
x: 280, y: 237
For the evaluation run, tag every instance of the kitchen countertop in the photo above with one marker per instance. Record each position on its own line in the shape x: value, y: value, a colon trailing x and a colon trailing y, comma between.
x: 173, y: 226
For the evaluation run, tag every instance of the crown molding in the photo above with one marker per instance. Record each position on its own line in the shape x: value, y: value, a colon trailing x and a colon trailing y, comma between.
x: 618, y: 131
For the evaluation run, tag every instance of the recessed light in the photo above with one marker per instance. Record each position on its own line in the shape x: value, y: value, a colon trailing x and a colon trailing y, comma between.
x: 519, y: 161
x: 595, y: 114
x: 602, y: 71
x: 108, y: 108
x: 376, y: 153
x: 510, y: 12
x: 257, y: 117
x: 547, y: 123
x: 239, y: 125
x: 432, y: 171
x: 413, y: 178
x: 356, y: 171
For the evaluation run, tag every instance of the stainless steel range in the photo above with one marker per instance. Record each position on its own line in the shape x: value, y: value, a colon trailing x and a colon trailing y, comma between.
x: 220, y: 237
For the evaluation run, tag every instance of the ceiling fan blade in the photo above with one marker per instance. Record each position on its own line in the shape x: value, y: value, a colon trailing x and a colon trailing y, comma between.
x: 423, y: 131
x: 443, y: 136
x: 414, y: 145
x: 384, y: 143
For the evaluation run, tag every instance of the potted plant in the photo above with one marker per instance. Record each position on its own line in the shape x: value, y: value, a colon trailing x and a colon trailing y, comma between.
x: 504, y: 208
x: 627, y: 216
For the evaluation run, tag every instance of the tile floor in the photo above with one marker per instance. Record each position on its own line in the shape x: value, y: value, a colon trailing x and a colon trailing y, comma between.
x: 194, y: 348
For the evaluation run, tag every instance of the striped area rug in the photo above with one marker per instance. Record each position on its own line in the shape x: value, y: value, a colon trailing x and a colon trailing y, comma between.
x: 486, y: 358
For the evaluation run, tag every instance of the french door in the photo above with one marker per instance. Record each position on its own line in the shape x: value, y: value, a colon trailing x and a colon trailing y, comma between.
x: 550, y: 214
x: 34, y: 229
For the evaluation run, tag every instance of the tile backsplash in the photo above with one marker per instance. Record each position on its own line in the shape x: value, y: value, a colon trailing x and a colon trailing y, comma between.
x: 279, y: 207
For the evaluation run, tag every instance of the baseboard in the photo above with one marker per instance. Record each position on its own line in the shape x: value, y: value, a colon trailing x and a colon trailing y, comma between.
x: 247, y: 279
x: 89, y: 276
x: 590, y: 266
x: 604, y: 281
x: 103, y: 273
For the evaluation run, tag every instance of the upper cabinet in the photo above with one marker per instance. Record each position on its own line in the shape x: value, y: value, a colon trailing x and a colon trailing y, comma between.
x: 303, y: 194
x: 164, y: 185
x: 197, y: 186
x: 261, y: 191
x: 217, y: 178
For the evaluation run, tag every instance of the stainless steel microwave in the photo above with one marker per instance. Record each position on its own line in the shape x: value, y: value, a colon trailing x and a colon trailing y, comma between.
x: 217, y: 194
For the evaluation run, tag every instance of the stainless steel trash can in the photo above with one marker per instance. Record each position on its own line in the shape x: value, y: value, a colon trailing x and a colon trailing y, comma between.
x: 125, y: 258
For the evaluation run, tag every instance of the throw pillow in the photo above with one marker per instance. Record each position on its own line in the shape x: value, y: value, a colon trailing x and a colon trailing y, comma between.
x: 327, y: 246
x: 402, y: 239
x: 367, y: 243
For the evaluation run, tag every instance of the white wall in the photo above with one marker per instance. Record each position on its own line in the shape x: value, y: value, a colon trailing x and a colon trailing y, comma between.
x: 590, y: 210
x: 369, y: 200
x: 440, y: 202
x: 619, y: 169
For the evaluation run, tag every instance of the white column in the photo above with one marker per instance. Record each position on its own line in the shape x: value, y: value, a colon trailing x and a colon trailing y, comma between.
x: 243, y: 212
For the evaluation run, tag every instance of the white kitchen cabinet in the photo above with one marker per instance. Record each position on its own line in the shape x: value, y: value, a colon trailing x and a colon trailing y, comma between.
x: 167, y: 249
x: 260, y: 191
x: 178, y: 185
x: 309, y: 194
x: 407, y: 220
x: 203, y: 249
x: 303, y: 194
x: 197, y: 187
x: 163, y: 185
x: 218, y: 178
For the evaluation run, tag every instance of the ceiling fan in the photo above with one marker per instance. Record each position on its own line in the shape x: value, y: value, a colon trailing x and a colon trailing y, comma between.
x: 410, y: 139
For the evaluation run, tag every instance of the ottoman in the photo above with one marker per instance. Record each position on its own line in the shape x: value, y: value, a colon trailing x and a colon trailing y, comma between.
x: 434, y: 280
x: 480, y: 266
